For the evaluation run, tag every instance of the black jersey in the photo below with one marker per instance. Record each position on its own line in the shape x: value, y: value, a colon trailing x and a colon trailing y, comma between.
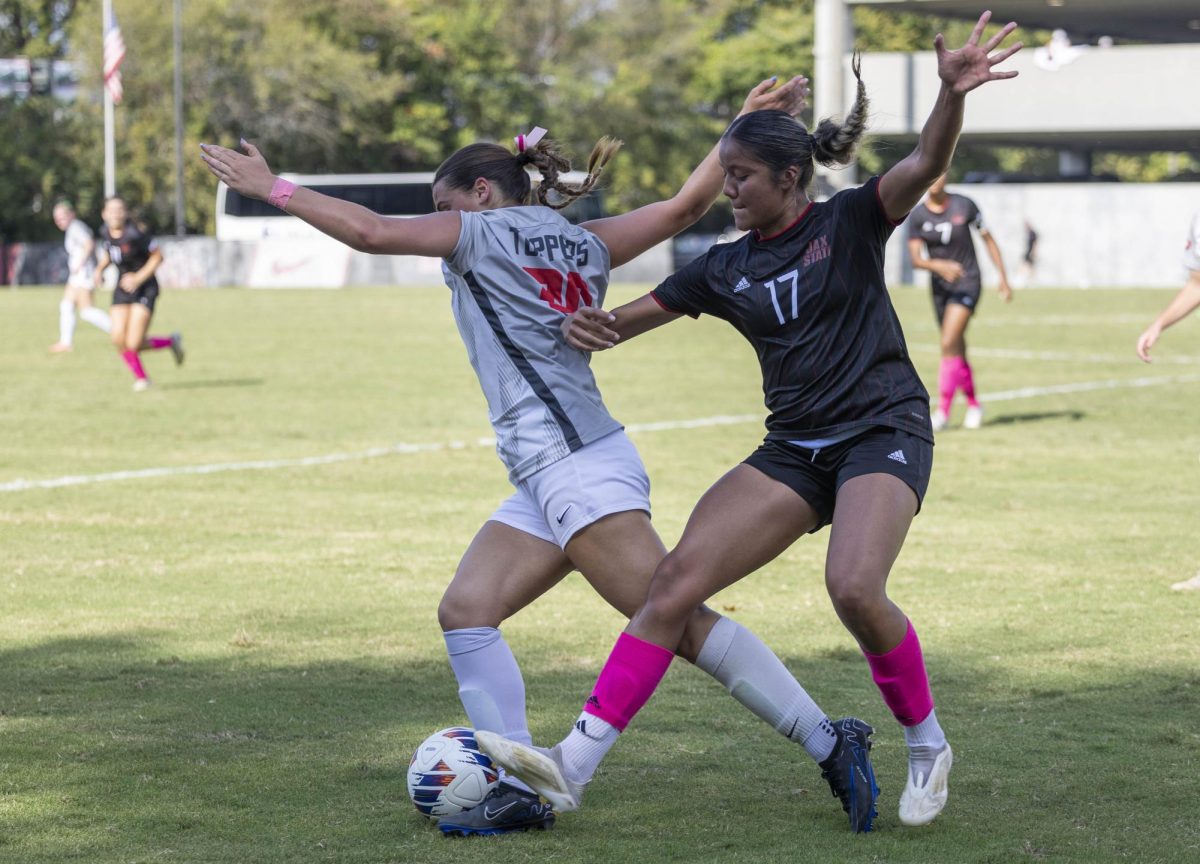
x: 948, y: 235
x: 813, y: 303
x: 131, y: 251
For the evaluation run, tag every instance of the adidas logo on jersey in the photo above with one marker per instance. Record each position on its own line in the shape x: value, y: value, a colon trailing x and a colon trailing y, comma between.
x: 741, y: 286
x: 898, y: 456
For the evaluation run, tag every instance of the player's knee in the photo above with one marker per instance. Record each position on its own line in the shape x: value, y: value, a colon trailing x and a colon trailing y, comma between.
x: 673, y: 595
x: 856, y: 593
x: 458, y: 611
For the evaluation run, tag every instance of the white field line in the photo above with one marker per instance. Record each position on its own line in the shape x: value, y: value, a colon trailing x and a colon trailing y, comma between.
x: 1060, y: 356
x: 635, y: 428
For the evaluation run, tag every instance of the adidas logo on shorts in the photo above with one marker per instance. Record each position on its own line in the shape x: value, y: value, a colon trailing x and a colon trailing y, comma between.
x: 741, y: 286
x: 898, y: 456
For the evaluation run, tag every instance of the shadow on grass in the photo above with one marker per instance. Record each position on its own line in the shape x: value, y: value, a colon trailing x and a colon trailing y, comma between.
x: 114, y: 748
x: 1034, y: 417
x: 212, y: 384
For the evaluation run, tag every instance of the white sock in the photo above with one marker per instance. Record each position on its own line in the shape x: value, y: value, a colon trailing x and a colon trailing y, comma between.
x: 66, y: 322
x: 490, y: 685
x: 97, y: 318
x: 759, y: 680
x: 925, y: 741
x: 589, y: 742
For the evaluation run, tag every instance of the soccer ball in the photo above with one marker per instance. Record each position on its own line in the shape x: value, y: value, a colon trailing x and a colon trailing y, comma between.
x: 448, y: 774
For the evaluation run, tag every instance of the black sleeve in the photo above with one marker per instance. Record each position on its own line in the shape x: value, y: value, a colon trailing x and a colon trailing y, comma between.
x: 686, y: 290
x: 863, y: 208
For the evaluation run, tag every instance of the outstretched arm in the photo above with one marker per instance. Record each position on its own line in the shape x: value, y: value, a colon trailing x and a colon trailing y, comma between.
x: 1184, y: 303
x: 961, y: 72
x: 433, y: 236
x: 592, y: 329
x: 631, y: 234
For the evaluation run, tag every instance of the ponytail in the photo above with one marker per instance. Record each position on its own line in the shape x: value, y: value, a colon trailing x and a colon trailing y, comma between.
x: 834, y: 143
x: 500, y: 166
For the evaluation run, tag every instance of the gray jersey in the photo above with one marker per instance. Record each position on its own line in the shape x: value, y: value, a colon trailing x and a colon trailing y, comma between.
x: 515, y: 273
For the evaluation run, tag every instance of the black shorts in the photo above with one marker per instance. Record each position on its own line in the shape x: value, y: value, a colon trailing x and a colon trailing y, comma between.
x: 962, y: 292
x: 146, y: 296
x: 817, y: 475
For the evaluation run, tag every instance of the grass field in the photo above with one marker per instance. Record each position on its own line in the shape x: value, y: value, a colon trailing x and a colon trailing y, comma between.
x: 234, y: 666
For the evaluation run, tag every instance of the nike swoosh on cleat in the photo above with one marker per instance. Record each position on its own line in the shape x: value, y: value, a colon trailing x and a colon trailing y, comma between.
x: 489, y: 813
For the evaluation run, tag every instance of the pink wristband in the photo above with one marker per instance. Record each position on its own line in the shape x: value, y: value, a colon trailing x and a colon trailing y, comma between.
x: 281, y: 193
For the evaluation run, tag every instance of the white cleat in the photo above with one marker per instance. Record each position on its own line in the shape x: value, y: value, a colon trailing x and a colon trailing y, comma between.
x: 140, y: 384
x: 973, y: 419
x: 1192, y: 584
x: 541, y: 769
x: 939, y: 420
x: 924, y: 799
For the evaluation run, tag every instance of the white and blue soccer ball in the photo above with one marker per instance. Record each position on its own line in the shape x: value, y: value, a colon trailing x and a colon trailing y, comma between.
x: 449, y: 774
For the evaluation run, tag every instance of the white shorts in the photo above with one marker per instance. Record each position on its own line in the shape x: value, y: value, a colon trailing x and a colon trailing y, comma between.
x: 602, y: 478
x: 81, y: 280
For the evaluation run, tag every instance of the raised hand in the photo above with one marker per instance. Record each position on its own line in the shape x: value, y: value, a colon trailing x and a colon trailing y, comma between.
x: 248, y: 173
x: 971, y: 65
x: 791, y: 96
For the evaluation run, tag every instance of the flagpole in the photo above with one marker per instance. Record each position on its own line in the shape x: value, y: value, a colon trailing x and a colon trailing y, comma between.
x: 110, y: 157
x: 178, y: 48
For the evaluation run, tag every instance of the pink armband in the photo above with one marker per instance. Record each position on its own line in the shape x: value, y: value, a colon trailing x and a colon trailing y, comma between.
x: 281, y: 193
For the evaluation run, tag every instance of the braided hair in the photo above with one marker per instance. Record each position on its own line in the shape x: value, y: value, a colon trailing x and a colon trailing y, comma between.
x: 779, y: 141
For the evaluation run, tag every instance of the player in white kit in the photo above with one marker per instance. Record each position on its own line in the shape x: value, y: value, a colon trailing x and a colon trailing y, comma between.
x: 1185, y: 302
x: 81, y: 263
x: 582, y: 494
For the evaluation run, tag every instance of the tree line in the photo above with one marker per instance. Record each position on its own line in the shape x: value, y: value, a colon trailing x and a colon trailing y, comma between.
x: 325, y: 86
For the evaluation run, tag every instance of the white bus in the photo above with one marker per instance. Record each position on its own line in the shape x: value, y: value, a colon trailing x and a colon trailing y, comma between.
x: 242, y: 218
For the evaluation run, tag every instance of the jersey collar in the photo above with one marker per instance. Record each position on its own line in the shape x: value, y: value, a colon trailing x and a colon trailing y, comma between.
x: 759, y: 238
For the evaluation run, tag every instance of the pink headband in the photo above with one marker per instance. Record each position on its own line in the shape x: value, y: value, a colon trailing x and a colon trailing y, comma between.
x: 529, y: 140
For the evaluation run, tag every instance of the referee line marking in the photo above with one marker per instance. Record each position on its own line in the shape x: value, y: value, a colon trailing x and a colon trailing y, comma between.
x: 403, y: 449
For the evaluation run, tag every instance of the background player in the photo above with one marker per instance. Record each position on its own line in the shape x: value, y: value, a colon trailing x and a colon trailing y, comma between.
x: 582, y: 498
x: 940, y: 242
x: 137, y: 257
x: 848, y: 443
x: 1185, y: 302
x: 81, y: 245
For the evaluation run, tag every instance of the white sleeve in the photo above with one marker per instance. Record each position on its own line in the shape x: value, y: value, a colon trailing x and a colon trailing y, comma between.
x: 470, y: 245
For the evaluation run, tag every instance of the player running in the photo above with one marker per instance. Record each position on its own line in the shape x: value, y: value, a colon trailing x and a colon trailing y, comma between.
x: 81, y: 245
x: 848, y: 441
x: 940, y: 242
x: 137, y: 257
x: 582, y: 499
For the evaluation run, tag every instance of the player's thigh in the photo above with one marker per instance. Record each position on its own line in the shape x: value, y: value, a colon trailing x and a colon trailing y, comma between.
x: 503, y: 571
x: 139, y: 323
x: 119, y: 316
x: 617, y: 554
x: 80, y: 295
x: 743, y: 522
x: 955, y: 319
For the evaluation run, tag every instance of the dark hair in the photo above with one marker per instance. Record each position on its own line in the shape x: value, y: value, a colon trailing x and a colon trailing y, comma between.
x: 507, y: 170
x: 780, y: 141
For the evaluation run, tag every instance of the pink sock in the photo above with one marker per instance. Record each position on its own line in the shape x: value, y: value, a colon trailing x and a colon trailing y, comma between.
x: 967, y: 382
x: 947, y: 383
x: 628, y: 680
x: 134, y: 363
x: 155, y: 342
x: 900, y: 676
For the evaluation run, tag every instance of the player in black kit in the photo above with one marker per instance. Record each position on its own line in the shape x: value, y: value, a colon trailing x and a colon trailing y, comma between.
x: 940, y: 242
x: 137, y: 257
x: 848, y: 438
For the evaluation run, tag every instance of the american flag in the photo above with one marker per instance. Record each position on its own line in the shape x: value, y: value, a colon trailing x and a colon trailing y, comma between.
x: 114, y: 53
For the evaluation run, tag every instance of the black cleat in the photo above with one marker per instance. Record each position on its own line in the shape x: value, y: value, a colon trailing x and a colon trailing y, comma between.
x: 848, y: 770
x: 505, y: 809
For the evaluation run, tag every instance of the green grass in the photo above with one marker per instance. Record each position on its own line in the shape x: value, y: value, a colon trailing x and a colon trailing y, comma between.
x: 235, y: 667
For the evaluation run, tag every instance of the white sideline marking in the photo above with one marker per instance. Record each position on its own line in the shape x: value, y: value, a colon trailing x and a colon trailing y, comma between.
x: 1061, y: 356
x: 406, y: 449
x: 332, y: 458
